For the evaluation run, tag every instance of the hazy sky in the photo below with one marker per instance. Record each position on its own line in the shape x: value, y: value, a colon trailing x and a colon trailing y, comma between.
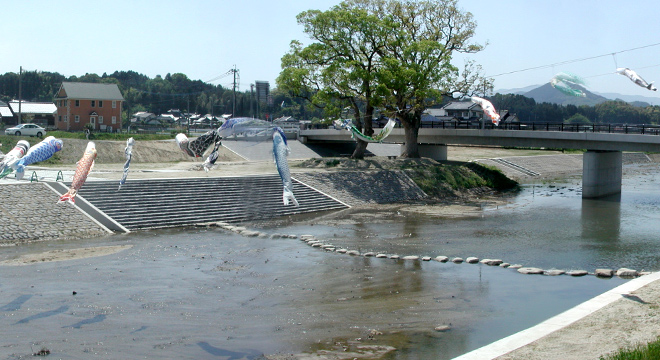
x: 206, y: 38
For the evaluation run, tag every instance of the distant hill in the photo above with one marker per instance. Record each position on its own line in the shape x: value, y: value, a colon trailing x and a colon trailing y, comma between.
x: 635, y: 100
x: 517, y: 91
x: 546, y: 93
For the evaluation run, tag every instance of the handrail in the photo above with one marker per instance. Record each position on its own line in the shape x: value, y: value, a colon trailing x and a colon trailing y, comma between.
x: 642, y: 129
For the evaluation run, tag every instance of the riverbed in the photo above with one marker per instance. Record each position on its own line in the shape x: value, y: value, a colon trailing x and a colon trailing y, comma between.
x: 208, y: 293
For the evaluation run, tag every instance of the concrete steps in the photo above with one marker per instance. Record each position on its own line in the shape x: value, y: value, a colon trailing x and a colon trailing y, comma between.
x: 160, y: 203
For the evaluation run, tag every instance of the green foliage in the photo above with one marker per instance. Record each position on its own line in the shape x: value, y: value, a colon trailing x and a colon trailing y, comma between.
x: 157, y: 95
x: 332, y: 163
x: 113, y: 136
x: 578, y: 119
x: 608, y: 112
x: 392, y: 54
x: 650, y: 351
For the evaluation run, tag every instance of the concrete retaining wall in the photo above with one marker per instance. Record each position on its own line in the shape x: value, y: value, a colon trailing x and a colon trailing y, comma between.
x: 29, y: 211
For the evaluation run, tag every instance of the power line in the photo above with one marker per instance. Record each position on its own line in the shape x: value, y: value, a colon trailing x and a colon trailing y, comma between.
x: 614, y: 72
x: 573, y: 61
x: 229, y: 72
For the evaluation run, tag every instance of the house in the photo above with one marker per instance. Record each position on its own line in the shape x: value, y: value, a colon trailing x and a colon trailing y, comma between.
x: 467, y: 110
x: 42, y: 113
x: 79, y: 104
x: 207, y: 120
x: 143, y: 117
x: 5, y: 113
x: 463, y: 110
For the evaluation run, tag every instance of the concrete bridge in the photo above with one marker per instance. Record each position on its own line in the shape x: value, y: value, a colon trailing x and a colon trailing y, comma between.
x: 602, y: 162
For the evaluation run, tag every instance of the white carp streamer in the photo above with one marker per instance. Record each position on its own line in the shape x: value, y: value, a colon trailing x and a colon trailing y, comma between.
x: 488, y: 109
x: 632, y: 75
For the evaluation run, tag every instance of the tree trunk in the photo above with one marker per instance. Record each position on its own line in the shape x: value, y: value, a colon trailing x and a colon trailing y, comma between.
x: 366, y: 125
x: 360, y: 149
x: 411, y: 124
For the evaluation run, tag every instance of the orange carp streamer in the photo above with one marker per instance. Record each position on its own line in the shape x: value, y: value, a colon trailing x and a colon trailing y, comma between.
x: 85, y: 165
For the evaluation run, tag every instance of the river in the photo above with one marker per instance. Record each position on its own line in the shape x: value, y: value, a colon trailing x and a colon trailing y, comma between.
x: 206, y: 293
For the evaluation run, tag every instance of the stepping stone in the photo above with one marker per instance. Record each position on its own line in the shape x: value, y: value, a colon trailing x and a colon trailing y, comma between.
x: 577, y: 272
x: 555, y: 272
x: 625, y: 272
x: 604, y: 273
x: 530, y: 270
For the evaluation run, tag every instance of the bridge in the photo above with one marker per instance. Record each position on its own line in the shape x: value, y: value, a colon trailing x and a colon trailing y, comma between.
x: 602, y: 162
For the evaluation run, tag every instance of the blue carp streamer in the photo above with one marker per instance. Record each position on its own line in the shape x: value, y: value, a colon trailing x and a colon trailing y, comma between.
x: 280, y: 152
x: 37, y: 153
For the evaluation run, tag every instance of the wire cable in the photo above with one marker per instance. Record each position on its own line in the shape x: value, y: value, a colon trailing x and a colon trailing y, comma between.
x: 574, y: 60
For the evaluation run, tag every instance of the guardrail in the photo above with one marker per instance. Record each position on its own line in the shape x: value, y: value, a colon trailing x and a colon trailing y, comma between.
x: 643, y: 129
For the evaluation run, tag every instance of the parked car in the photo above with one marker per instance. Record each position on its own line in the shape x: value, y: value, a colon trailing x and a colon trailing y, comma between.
x: 26, y: 130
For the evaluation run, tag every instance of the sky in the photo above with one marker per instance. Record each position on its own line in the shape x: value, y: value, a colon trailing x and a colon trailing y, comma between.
x: 204, y: 39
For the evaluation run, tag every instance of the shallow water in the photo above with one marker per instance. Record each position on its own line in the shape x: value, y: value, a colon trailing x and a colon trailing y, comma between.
x: 212, y: 294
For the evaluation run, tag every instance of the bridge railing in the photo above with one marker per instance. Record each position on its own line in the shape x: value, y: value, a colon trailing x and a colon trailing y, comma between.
x: 643, y: 129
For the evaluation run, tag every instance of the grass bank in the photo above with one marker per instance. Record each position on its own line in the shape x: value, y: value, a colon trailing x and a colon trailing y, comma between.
x: 441, y: 179
x: 650, y: 351
x: 436, y: 179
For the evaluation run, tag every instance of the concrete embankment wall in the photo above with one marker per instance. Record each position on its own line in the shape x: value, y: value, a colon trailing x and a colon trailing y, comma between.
x: 29, y: 212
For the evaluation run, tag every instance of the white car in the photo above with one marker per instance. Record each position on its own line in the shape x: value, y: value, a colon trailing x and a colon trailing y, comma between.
x: 26, y: 130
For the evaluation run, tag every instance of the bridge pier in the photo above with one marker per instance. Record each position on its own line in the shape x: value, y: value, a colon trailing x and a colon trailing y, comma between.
x: 433, y: 151
x: 601, y: 173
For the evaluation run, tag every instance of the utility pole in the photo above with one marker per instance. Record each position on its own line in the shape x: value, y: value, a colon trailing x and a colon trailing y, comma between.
x: 20, y: 88
x: 233, y: 105
x: 251, y: 99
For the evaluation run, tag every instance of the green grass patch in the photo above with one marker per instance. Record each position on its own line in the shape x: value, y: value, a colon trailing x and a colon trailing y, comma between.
x: 110, y: 136
x: 436, y: 180
x: 650, y: 351
x: 332, y: 163
x: 9, y: 141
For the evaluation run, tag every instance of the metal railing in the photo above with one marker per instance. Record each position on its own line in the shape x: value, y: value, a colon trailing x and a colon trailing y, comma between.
x: 642, y: 129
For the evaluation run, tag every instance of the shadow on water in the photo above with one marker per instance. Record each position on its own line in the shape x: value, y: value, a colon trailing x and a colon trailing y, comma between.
x: 95, y: 319
x: 44, y: 314
x: 230, y: 355
x: 16, y: 303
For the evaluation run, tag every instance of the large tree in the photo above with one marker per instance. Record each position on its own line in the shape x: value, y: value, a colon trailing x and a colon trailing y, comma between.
x: 418, y: 70
x: 340, y: 67
x: 393, y: 54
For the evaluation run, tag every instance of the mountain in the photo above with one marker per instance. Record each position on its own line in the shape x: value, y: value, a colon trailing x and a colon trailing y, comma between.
x: 546, y: 93
x: 517, y: 91
x: 635, y: 100
x: 632, y: 98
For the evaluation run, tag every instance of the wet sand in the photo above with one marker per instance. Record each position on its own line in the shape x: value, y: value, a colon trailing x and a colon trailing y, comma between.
x: 169, y: 284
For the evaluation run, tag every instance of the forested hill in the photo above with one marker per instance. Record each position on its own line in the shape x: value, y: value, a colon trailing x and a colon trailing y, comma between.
x: 609, y: 111
x: 177, y: 91
x: 157, y: 95
x: 547, y: 93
